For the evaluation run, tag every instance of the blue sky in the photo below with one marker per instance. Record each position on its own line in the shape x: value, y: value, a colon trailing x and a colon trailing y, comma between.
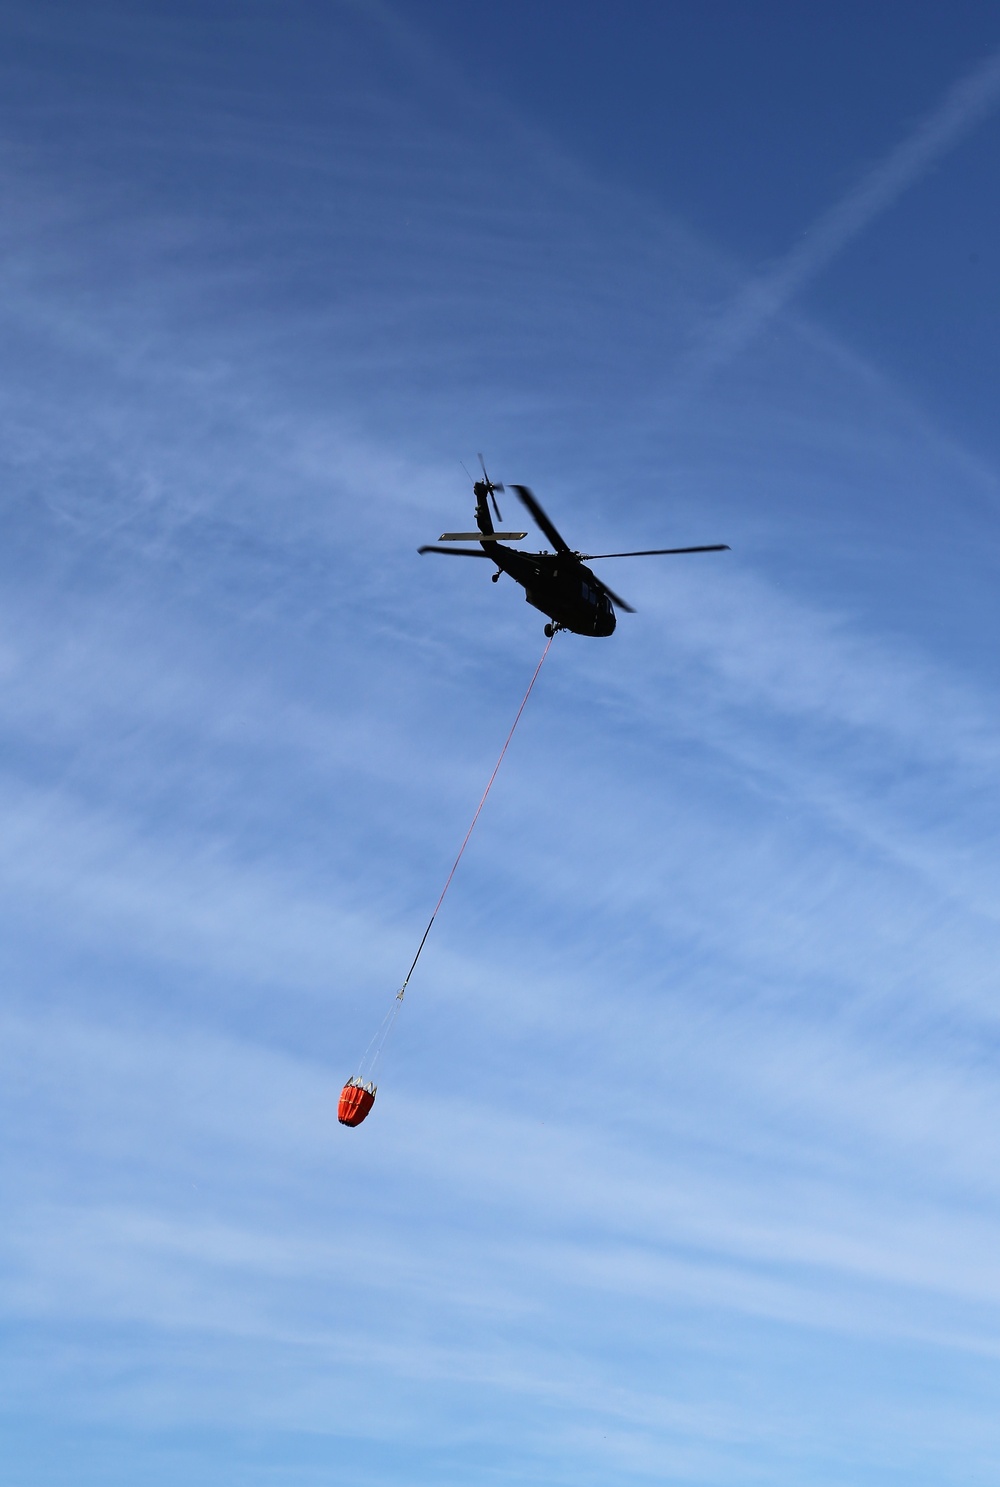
x: 684, y: 1162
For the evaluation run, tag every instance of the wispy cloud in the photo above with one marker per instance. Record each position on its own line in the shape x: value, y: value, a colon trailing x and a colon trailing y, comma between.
x: 965, y: 106
x: 696, y: 1085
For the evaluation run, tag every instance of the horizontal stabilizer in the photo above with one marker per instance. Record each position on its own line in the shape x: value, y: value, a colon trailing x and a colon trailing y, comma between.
x: 481, y: 536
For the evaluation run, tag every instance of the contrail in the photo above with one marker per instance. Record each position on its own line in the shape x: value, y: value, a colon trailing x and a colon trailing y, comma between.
x: 963, y: 107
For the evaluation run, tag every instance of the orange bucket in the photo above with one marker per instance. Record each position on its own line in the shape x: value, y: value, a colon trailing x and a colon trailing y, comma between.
x: 356, y: 1099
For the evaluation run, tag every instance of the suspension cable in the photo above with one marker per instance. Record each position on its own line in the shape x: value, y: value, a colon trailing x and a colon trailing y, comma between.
x: 368, y: 1062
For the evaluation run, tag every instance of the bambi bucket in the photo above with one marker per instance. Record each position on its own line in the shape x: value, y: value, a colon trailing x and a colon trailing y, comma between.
x: 356, y: 1099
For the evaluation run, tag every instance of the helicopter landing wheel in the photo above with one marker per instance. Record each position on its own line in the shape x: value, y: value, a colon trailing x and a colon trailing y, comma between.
x: 549, y: 631
x: 495, y: 577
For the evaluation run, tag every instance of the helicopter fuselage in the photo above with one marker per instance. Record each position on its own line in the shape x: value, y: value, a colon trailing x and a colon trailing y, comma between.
x: 560, y: 585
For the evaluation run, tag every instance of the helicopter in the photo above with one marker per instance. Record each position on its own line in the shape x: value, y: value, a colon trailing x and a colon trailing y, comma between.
x: 558, y: 583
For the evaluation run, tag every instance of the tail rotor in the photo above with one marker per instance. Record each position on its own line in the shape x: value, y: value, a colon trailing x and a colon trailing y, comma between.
x: 491, y: 489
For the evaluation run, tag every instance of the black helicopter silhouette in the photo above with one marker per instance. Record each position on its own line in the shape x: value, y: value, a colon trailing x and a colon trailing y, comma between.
x: 558, y: 583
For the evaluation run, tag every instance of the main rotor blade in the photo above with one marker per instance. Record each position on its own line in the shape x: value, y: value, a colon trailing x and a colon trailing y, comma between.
x: 456, y: 552
x: 528, y: 499
x: 615, y: 598
x: 655, y: 552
